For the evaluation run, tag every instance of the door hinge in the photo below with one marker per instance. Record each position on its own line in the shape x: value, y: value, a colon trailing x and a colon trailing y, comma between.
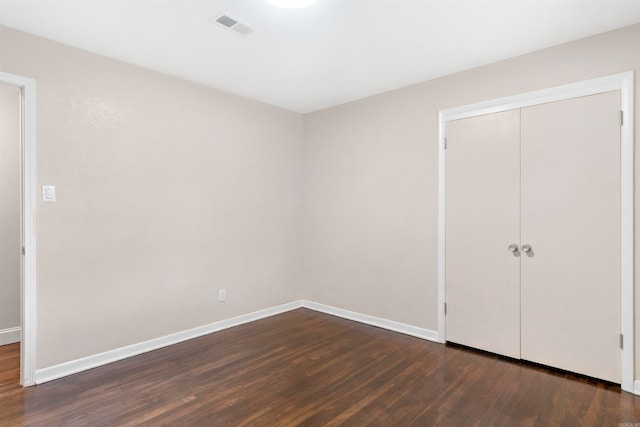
x: 445, y: 143
x: 445, y: 308
x: 621, y: 342
x: 23, y: 251
x: 621, y: 118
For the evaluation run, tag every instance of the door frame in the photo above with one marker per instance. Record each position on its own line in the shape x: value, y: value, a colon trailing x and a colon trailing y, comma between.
x: 622, y: 82
x: 27, y: 226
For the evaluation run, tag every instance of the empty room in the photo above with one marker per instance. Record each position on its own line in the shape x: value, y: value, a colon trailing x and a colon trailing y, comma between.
x: 319, y: 212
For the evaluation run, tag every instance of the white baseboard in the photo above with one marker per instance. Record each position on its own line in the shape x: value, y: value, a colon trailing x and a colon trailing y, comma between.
x: 10, y: 335
x: 93, y: 361
x: 391, y: 325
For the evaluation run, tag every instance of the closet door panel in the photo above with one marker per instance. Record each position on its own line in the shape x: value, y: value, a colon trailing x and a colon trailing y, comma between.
x: 570, y: 287
x: 482, y: 219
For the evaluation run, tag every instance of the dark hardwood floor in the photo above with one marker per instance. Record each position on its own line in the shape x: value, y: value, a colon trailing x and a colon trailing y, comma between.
x: 9, y: 368
x: 311, y: 369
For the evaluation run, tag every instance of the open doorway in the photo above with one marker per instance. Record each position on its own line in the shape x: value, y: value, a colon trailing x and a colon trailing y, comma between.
x: 17, y: 337
x: 10, y: 239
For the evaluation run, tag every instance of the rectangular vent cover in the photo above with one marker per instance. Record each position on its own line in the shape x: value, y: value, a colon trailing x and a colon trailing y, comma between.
x: 232, y: 24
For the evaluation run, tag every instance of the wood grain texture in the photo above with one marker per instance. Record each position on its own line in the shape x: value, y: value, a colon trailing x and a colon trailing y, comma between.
x: 9, y: 368
x: 312, y: 369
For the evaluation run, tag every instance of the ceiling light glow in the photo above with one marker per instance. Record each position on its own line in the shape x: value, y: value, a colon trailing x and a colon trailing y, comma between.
x: 291, y: 4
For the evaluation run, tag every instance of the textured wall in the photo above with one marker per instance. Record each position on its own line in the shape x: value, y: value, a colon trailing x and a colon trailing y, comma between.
x: 167, y: 191
x: 371, y: 177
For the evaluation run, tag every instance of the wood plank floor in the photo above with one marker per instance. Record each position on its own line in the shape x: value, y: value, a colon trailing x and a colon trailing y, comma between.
x: 307, y: 368
x: 9, y: 367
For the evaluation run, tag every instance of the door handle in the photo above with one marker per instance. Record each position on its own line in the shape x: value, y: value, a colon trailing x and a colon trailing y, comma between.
x: 526, y: 248
x: 513, y: 247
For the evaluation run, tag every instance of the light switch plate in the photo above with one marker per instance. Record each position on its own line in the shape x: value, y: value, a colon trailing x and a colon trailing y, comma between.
x: 48, y: 194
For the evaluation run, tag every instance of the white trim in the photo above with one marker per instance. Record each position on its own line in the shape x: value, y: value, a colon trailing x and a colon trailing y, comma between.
x: 110, y: 356
x: 391, y: 325
x: 636, y: 387
x: 442, y: 242
x: 626, y: 232
x: 9, y: 335
x: 28, y: 288
x: 622, y: 82
x: 557, y: 93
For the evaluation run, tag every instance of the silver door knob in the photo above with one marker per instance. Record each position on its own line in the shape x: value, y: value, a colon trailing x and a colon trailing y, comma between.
x: 526, y: 248
x: 513, y: 247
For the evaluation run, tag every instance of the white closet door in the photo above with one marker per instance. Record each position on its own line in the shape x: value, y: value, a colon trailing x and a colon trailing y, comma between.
x: 482, y: 219
x: 571, y: 218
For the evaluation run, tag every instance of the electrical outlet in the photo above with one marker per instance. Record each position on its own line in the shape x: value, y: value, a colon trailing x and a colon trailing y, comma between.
x: 222, y: 295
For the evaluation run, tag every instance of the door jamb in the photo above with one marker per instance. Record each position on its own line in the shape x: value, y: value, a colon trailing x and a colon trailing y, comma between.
x: 622, y: 82
x: 27, y: 235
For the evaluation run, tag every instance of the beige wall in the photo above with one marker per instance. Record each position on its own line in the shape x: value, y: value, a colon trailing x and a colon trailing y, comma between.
x: 167, y: 191
x: 371, y: 177
x: 9, y: 208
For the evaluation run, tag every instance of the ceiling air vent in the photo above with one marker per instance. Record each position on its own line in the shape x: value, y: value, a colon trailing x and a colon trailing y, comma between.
x: 232, y: 24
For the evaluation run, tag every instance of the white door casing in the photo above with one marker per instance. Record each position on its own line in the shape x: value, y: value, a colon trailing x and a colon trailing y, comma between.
x: 622, y: 82
x: 28, y: 285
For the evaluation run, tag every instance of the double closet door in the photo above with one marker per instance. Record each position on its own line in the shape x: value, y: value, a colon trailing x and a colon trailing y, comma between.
x: 533, y: 234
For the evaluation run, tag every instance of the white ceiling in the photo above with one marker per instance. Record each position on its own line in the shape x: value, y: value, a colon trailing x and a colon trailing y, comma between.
x: 330, y: 53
